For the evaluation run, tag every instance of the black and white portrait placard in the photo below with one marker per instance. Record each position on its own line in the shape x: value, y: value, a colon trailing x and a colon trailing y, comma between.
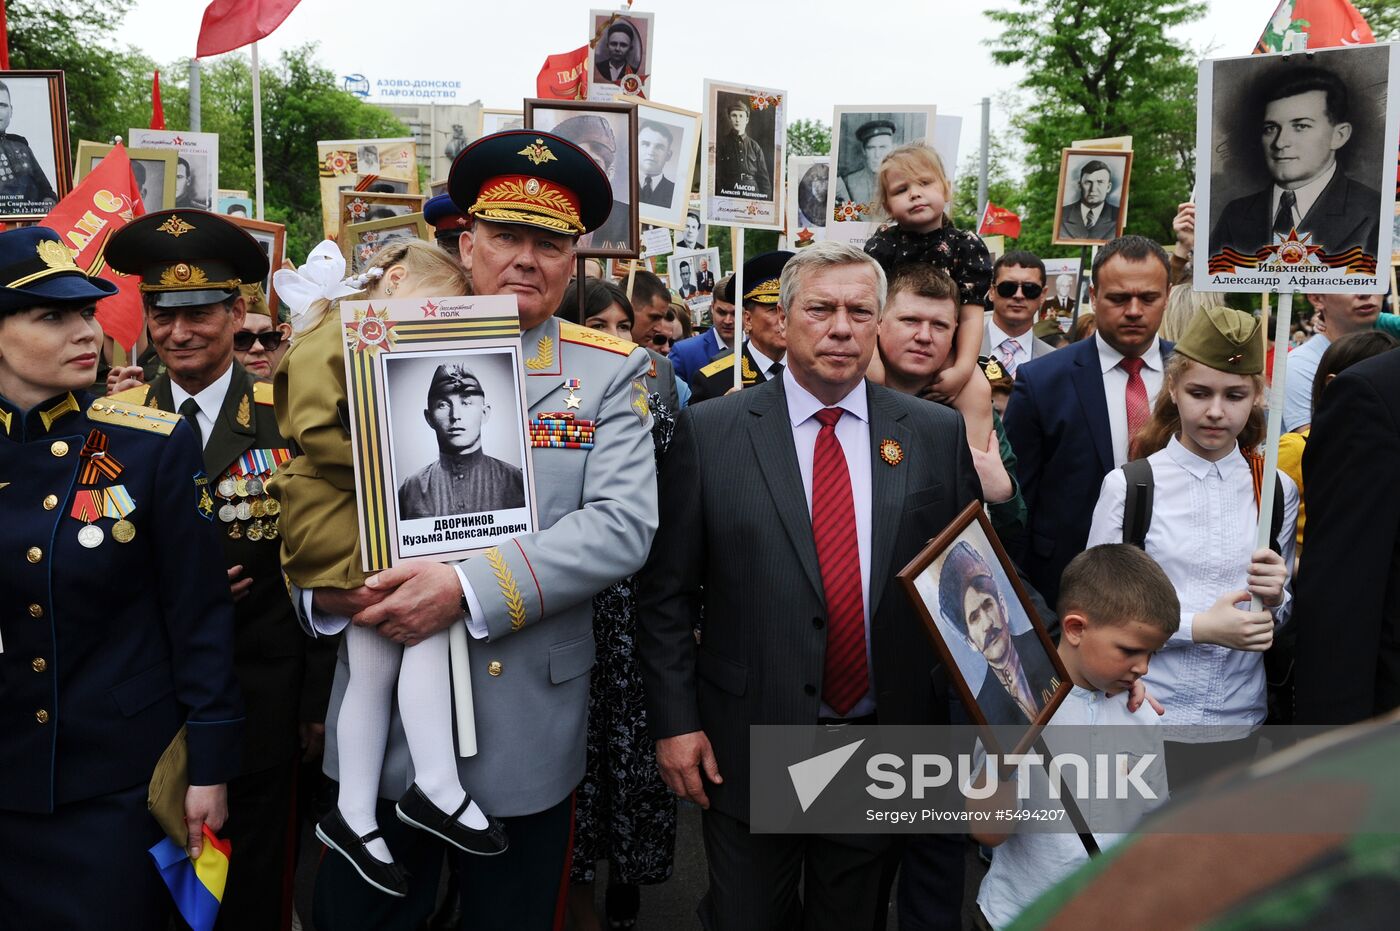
x: 692, y: 277
x: 668, y: 139
x: 1296, y: 171
x: 619, y: 56
x: 742, y: 178
x: 809, y: 179
x: 442, y: 456
x: 693, y: 231
x: 1092, y: 205
x: 196, y: 164
x: 861, y: 137
x: 35, y: 172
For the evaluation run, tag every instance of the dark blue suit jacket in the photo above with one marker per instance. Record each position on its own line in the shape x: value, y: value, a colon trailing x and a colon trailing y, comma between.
x: 693, y: 353
x: 1057, y: 422
x: 108, y: 650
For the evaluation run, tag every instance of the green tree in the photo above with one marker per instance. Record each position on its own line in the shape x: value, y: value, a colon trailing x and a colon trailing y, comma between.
x: 1383, y: 16
x: 1095, y: 68
x: 1003, y: 189
x: 808, y: 137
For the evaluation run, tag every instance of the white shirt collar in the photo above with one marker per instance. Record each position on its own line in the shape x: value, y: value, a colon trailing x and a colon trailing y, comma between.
x: 1110, y: 357
x: 1084, y: 210
x: 802, y: 405
x: 1199, y: 467
x: 719, y: 343
x: 654, y: 179
x: 763, y: 362
x: 996, y: 336
x: 1306, y: 195
x: 210, y: 400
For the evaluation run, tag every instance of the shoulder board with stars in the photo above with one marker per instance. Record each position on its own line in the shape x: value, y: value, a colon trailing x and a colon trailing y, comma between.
x: 140, y: 395
x: 125, y: 414
x: 584, y: 336
x: 262, y: 392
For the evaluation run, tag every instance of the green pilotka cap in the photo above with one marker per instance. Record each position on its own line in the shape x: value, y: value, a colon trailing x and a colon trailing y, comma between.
x: 1224, y: 339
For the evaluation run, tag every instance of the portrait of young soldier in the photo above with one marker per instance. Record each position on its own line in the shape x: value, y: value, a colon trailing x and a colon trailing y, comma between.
x: 463, y: 480
x: 741, y: 165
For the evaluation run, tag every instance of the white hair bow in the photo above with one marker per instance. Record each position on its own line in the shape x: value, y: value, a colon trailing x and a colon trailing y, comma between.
x: 321, y: 278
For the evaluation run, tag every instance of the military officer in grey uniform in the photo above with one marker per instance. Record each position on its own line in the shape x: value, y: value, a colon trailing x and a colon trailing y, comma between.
x: 877, y: 138
x: 527, y: 604
x: 23, y: 186
x: 463, y: 479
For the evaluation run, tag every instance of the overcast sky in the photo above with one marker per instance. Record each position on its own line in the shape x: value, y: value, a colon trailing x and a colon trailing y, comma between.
x: 822, y: 52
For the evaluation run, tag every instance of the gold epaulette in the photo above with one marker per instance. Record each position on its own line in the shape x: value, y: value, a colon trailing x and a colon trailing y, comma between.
x: 124, y: 414
x: 719, y: 365
x: 138, y: 396
x: 262, y: 392
x: 584, y: 336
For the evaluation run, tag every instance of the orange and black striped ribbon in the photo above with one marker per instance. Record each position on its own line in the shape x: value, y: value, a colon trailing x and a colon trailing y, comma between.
x: 96, y: 460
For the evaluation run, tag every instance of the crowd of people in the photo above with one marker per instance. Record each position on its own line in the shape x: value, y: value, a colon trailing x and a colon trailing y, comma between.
x: 185, y: 558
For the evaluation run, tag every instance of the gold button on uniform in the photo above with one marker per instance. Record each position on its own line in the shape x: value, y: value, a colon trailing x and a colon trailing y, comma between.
x: 41, y: 716
x: 494, y: 667
x: 34, y: 554
x: 39, y: 664
x: 36, y: 610
x: 50, y: 502
x: 59, y: 448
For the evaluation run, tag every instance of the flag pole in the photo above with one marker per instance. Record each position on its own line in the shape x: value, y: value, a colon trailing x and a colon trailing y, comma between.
x: 738, y: 234
x: 257, y: 135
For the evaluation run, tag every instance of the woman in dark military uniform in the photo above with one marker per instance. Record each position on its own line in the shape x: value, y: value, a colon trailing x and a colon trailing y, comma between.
x: 115, y: 621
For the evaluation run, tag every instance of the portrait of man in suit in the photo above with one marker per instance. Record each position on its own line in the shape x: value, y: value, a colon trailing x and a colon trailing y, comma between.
x: 1093, y: 215
x: 655, y: 142
x: 1304, y: 120
x: 1019, y: 677
x: 691, y: 237
x: 704, y: 278
x: 687, y: 285
x: 619, y: 54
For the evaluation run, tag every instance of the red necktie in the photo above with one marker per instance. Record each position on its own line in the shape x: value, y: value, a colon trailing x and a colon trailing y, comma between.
x: 844, y: 677
x: 1136, y: 397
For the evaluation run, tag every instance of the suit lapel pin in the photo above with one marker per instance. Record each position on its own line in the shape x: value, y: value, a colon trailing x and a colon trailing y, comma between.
x: 891, y: 452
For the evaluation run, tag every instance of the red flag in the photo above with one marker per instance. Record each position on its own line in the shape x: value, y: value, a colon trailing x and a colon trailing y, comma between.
x: 231, y: 24
x: 157, y: 111
x: 998, y: 221
x: 106, y: 200
x: 1313, y: 24
x: 4, y: 39
x: 564, y: 76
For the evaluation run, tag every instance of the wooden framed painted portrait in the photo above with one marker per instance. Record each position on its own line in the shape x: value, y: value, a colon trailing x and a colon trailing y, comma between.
x: 364, y: 206
x: 668, y: 141
x: 608, y: 133
x: 153, y: 169
x: 33, y: 143
x: 418, y: 370
x: 272, y: 237
x: 998, y: 654
x: 362, y: 240
x: 1093, y: 196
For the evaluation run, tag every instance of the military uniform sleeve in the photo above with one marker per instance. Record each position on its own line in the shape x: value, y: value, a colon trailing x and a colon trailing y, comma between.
x: 606, y: 539
x: 198, y: 614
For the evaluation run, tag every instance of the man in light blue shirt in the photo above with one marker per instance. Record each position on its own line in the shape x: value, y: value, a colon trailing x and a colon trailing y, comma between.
x: 1344, y: 314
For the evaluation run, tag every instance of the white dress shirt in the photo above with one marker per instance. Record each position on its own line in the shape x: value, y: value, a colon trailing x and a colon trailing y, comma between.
x: 1115, y: 390
x: 1025, y: 343
x: 1202, y: 535
x: 765, y: 364
x: 1090, y: 215
x: 853, y: 432
x: 720, y: 344
x: 1305, y: 196
x: 210, y: 401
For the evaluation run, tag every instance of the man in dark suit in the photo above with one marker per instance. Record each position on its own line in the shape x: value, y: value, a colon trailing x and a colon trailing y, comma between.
x: 1092, y: 216
x: 818, y: 487
x: 654, y: 145
x: 1348, y: 609
x: 622, y: 48
x: 190, y: 263
x: 1304, y: 128
x: 1072, y: 413
x: 693, y: 353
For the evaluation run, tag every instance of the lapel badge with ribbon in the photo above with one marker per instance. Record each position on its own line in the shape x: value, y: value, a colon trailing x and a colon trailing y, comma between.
x: 891, y: 452
x: 97, y: 461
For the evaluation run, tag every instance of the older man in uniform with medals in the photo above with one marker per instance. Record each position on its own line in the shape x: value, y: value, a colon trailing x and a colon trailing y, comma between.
x: 527, y: 603
x: 191, y: 264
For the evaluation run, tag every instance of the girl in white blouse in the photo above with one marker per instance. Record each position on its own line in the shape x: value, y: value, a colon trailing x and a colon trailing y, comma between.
x: 1200, y: 442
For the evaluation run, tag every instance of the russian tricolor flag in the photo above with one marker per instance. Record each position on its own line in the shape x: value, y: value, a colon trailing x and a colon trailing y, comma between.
x: 197, y: 886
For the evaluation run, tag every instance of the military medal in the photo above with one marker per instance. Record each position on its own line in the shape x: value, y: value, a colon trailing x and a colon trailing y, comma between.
x: 255, y: 531
x: 234, y: 533
x: 226, y: 488
x: 272, y: 507
x: 91, y: 536
x: 259, y: 509
x: 891, y: 452
x: 245, y: 510
x: 123, y: 531
x: 573, y: 400
x: 255, y: 486
x: 227, y: 513
x: 240, y: 486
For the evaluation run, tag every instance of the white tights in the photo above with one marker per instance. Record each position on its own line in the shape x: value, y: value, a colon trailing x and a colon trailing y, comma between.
x: 362, y: 730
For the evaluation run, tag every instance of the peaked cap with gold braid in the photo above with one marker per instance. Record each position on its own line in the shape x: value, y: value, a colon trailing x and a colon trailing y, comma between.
x: 187, y: 258
x: 531, y: 178
x: 36, y: 269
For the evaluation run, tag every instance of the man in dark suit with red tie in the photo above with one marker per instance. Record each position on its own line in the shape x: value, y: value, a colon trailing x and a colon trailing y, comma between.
x: 813, y: 490
x: 1073, y: 413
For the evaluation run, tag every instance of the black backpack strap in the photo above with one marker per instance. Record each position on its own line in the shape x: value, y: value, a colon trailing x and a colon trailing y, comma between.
x: 1137, y: 506
x: 1276, y: 523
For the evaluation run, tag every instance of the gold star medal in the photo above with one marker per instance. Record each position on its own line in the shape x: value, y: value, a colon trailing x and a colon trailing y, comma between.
x: 891, y: 452
x: 573, y: 400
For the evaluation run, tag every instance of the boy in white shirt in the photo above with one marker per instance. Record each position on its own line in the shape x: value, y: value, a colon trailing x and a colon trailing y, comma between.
x: 1117, y: 607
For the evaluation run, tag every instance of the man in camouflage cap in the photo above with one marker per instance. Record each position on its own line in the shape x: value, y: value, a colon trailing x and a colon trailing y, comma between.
x: 463, y: 480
